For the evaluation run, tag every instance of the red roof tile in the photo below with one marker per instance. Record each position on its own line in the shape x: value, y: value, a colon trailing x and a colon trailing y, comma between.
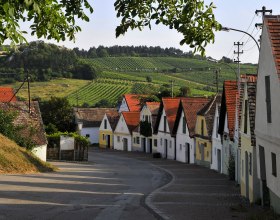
x: 171, y: 106
x: 132, y: 119
x: 273, y: 26
x: 133, y: 102
x: 6, y: 94
x: 230, y: 92
x: 153, y: 106
x: 190, y: 107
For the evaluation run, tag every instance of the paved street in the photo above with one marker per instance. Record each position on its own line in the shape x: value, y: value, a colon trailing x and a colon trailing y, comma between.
x: 120, y: 185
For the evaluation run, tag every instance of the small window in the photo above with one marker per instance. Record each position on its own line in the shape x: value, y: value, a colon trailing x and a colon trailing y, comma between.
x: 138, y: 140
x: 134, y: 140
x: 155, y: 142
x: 180, y: 146
x: 146, y: 118
x: 105, y: 123
x: 119, y: 138
x: 87, y: 135
x: 245, y: 116
x: 170, y: 144
x: 217, y: 127
x: 202, y: 127
x: 184, y: 125
x: 268, y: 99
x: 164, y: 121
x: 274, y: 165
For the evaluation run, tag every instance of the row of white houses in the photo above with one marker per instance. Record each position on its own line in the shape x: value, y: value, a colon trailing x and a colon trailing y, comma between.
x: 236, y: 133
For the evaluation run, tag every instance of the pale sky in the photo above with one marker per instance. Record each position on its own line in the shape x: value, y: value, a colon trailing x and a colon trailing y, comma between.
x: 235, y: 14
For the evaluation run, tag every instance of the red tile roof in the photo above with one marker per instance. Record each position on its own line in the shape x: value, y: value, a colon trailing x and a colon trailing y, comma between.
x: 132, y: 119
x: 171, y: 106
x: 133, y: 102
x: 231, y: 92
x: 273, y: 26
x: 153, y: 106
x: 31, y: 123
x: 190, y: 107
x: 248, y: 77
x: 6, y: 94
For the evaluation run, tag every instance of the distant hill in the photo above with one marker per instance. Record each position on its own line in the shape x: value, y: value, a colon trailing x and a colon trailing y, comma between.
x: 15, y: 159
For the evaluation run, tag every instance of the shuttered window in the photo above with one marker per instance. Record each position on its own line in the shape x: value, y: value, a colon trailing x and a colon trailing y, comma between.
x: 164, y: 121
x: 184, y: 125
x: 274, y: 166
x: 268, y: 98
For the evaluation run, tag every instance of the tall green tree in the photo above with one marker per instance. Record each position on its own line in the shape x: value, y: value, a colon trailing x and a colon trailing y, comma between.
x: 58, y: 113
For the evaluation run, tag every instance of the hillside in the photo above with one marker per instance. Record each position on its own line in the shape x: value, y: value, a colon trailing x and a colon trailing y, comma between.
x: 15, y: 159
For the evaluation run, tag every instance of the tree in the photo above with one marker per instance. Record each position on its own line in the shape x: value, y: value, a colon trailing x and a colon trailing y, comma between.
x: 149, y: 79
x: 56, y: 19
x: 57, y: 113
x: 103, y: 103
x: 84, y: 71
x: 194, y: 19
x: 184, y: 91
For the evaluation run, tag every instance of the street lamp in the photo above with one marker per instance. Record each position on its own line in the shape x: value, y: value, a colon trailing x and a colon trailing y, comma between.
x: 233, y: 29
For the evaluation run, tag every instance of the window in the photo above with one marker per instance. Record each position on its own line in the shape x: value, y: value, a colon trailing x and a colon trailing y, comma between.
x: 155, y: 142
x: 87, y: 135
x: 268, y: 98
x: 146, y: 118
x: 138, y: 140
x: 250, y: 163
x: 245, y: 116
x: 134, y: 140
x: 180, y: 146
x: 105, y: 123
x: 202, y: 127
x: 164, y: 125
x: 184, y: 125
x: 217, y: 127
x: 273, y: 162
x: 119, y: 138
x: 170, y: 144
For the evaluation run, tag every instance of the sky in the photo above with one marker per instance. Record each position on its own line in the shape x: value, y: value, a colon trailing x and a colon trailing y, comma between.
x: 235, y: 14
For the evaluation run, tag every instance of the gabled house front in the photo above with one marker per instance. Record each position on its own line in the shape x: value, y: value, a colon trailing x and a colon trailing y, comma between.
x: 227, y: 127
x: 185, y: 127
x: 164, y: 128
x: 30, y: 123
x: 88, y: 121
x: 127, y: 122
x: 249, y: 183
x: 144, y: 139
x: 267, y: 122
x: 203, y: 132
x: 106, y: 129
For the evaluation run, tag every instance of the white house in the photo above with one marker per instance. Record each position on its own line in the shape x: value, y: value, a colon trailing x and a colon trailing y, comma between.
x: 88, y: 121
x: 185, y: 127
x: 267, y: 122
x: 32, y: 125
x: 146, y: 142
x: 127, y: 122
x: 164, y: 128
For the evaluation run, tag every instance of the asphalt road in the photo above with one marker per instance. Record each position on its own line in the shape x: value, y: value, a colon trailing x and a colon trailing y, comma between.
x: 108, y: 187
x: 122, y: 185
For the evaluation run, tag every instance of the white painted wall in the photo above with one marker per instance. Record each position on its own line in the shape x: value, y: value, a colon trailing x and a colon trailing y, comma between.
x: 216, y: 142
x: 181, y: 142
x: 102, y: 125
x: 268, y: 134
x: 122, y: 132
x: 123, y: 106
x: 40, y: 152
x: 93, y: 134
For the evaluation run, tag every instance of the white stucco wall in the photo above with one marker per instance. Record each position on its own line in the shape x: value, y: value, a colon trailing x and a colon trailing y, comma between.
x: 216, y: 143
x: 102, y: 125
x: 268, y: 134
x: 40, y: 152
x: 123, y: 132
x: 93, y: 134
x: 181, y: 142
x: 123, y: 107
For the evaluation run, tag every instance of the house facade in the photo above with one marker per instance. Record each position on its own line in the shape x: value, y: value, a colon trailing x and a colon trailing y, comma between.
x: 267, y: 122
x: 203, y: 132
x: 106, y: 129
x: 88, y: 122
x: 249, y: 183
x: 185, y: 128
x: 164, y: 129
x: 130, y: 103
x: 127, y: 122
x: 146, y: 141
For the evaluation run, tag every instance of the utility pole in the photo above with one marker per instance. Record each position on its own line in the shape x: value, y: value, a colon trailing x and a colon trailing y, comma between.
x: 29, y: 98
x: 238, y: 52
x: 217, y: 79
x: 263, y: 11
